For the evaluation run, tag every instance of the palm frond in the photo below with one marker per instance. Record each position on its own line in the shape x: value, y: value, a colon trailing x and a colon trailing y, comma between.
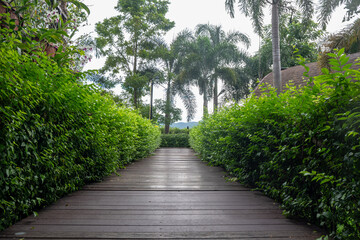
x: 238, y: 37
x: 326, y: 8
x: 348, y: 38
x: 229, y: 7
x: 187, y: 97
x: 307, y: 7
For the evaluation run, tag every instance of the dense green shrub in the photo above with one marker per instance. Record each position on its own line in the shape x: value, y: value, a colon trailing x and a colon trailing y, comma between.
x: 56, y: 133
x: 175, y: 140
x: 301, y: 147
x: 174, y: 130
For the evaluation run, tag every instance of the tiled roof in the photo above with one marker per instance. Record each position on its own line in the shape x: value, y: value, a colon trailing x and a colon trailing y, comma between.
x: 295, y: 74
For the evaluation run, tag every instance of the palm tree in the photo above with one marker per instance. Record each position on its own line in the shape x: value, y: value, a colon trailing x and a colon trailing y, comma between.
x: 237, y: 84
x: 327, y: 7
x: 154, y: 75
x: 197, y: 60
x: 175, y: 86
x: 348, y: 38
x: 255, y: 10
x: 225, y: 53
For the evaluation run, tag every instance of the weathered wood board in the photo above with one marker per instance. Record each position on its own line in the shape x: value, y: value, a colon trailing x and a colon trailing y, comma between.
x: 171, y: 194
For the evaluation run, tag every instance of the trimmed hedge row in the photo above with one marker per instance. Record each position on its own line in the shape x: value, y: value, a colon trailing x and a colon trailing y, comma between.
x: 175, y: 140
x: 57, y: 134
x: 302, y: 147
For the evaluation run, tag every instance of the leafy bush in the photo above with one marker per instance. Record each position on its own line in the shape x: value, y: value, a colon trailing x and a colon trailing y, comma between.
x: 175, y: 140
x: 174, y: 130
x: 56, y: 133
x: 301, y: 147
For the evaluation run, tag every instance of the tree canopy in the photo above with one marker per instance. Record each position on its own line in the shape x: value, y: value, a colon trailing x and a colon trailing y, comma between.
x: 127, y: 41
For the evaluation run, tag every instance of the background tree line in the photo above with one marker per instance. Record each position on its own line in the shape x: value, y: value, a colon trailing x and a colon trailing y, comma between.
x: 138, y: 58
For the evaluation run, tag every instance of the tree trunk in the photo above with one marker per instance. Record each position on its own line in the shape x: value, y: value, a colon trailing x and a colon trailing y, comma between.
x: 276, y: 46
x: 216, y: 95
x: 151, y: 99
x: 135, y: 98
x: 134, y: 74
x: 260, y: 75
x: 205, y: 105
x: 63, y: 7
x: 167, y: 107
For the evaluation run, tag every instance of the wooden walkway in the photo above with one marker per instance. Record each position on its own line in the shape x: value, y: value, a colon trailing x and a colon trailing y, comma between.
x: 171, y: 194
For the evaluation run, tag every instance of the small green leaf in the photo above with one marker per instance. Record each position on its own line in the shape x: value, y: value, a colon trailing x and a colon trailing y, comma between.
x: 325, y: 71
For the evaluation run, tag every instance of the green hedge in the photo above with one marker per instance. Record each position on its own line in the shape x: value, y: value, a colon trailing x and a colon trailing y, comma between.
x: 174, y: 130
x: 57, y: 134
x: 301, y: 147
x: 175, y: 140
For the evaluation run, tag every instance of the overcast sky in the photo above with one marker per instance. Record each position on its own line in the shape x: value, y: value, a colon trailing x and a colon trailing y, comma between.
x: 187, y: 14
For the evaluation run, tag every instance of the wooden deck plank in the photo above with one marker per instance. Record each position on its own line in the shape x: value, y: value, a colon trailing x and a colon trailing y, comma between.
x: 260, y: 235
x: 158, y: 228
x: 170, y: 195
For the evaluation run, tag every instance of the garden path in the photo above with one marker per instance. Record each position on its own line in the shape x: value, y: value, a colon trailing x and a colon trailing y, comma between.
x: 171, y: 194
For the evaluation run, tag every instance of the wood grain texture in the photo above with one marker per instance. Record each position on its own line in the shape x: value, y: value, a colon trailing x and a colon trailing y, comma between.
x: 170, y: 195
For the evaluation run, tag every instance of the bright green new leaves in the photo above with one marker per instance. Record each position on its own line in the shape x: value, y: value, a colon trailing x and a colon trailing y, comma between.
x: 127, y: 40
x: 301, y: 147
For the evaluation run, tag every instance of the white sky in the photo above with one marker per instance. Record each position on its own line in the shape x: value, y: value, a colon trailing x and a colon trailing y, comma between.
x: 187, y: 14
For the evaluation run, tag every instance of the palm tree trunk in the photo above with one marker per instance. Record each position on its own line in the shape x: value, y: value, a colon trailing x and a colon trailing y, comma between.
x: 216, y: 95
x: 134, y: 74
x: 167, y: 107
x: 151, y: 99
x: 260, y: 75
x: 135, y: 98
x: 63, y: 7
x: 205, y: 105
x: 276, y: 46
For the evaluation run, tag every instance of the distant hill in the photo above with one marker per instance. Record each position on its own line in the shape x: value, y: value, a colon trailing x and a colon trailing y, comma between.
x: 183, y: 125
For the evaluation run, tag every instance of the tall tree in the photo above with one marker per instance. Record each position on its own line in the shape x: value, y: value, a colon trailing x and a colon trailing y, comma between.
x: 255, y: 10
x: 295, y: 35
x: 197, y: 62
x: 173, y: 114
x: 175, y: 86
x: 154, y: 77
x: 226, y: 53
x: 208, y: 56
x: 237, y: 84
x: 126, y: 40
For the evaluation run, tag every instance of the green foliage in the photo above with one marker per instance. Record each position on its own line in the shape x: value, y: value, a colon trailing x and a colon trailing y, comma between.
x: 175, y: 130
x: 174, y: 112
x: 56, y: 133
x: 302, y: 147
x: 175, y: 140
x: 298, y: 37
x: 209, y: 56
x: 227, y: 59
x: 170, y: 58
x: 103, y: 81
x: 127, y: 41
